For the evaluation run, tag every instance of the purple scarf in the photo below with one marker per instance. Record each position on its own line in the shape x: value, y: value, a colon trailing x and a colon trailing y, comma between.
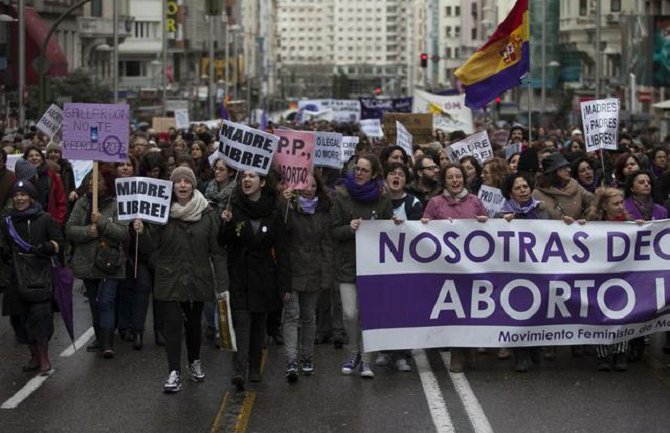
x: 528, y: 208
x: 366, y: 193
x: 307, y: 205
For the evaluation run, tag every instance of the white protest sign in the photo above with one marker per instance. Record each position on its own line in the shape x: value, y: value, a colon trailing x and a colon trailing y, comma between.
x: 143, y: 197
x: 511, y: 149
x: 51, y: 120
x: 403, y: 138
x: 348, y: 148
x: 372, y: 128
x: 601, y: 124
x: 449, y: 112
x: 11, y: 162
x: 181, y: 118
x: 477, y: 145
x: 327, y: 149
x: 80, y: 169
x: 246, y: 148
x: 492, y: 198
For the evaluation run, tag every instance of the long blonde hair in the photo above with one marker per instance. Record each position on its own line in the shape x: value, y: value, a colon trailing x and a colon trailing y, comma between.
x: 596, y: 212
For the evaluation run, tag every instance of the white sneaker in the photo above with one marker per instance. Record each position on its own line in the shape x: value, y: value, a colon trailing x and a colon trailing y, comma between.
x: 366, y: 371
x: 173, y: 382
x: 197, y: 373
x: 383, y: 360
x: 402, y: 365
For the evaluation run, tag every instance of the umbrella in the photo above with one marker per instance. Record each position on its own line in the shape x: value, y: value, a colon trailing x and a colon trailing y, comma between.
x: 62, y: 286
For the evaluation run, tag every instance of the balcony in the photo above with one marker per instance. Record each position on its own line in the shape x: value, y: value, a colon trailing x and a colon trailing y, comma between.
x: 93, y: 27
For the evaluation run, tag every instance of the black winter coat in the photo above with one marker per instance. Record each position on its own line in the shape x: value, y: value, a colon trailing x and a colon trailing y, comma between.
x: 258, y: 262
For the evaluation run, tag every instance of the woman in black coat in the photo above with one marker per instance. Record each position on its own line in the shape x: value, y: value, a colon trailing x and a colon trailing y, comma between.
x: 258, y: 263
x: 27, y: 229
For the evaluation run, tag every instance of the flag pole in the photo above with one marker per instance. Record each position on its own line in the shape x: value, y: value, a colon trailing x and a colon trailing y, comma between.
x: 530, y: 85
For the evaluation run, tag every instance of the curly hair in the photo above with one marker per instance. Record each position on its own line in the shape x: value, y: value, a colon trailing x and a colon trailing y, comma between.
x: 596, y: 212
x: 499, y: 169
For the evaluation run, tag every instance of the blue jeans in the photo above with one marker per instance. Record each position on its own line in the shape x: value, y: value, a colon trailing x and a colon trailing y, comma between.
x: 133, y: 299
x: 102, y: 300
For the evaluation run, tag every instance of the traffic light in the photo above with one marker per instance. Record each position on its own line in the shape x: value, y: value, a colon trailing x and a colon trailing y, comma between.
x: 378, y: 90
x: 498, y: 100
x: 424, y: 60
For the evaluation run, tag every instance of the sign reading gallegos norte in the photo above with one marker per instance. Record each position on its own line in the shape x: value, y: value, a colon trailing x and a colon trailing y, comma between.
x: 506, y: 284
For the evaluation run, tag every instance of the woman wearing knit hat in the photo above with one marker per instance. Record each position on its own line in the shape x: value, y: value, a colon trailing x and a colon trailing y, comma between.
x: 49, y: 185
x: 99, y: 256
x: 190, y: 265
x: 29, y: 231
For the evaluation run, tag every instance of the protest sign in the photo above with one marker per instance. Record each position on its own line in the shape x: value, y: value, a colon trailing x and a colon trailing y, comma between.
x: 492, y: 198
x: 163, y: 124
x: 245, y: 148
x: 419, y: 125
x: 348, y: 148
x: 373, y: 108
x: 600, y: 119
x: 327, y: 151
x: 372, y: 128
x: 80, y: 169
x: 477, y: 145
x: 338, y: 110
x: 96, y: 132
x: 449, y: 112
x: 145, y: 198
x: 294, y: 157
x: 506, y: 284
x: 403, y: 138
x: 51, y: 120
x: 11, y: 162
x: 181, y: 119
x: 511, y: 149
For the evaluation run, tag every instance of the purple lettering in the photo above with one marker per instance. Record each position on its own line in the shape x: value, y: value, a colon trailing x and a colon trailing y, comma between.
x: 386, y: 242
x: 489, y: 251
x: 526, y: 243
x: 641, y: 242
x: 554, y: 248
x: 413, y: 248
x: 457, y: 254
x: 611, y: 236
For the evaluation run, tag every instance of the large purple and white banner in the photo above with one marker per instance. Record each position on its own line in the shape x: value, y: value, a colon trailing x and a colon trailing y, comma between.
x: 503, y: 284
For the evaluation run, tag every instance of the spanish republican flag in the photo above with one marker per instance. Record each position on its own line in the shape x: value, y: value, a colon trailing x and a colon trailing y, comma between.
x: 499, y: 64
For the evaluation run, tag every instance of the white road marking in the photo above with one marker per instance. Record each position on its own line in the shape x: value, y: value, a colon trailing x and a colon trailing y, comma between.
x: 32, y: 385
x: 480, y: 423
x: 431, y: 388
x: 37, y: 381
x: 72, y: 348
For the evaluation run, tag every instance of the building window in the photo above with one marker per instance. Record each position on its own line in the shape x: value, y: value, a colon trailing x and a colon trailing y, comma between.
x: 457, y: 31
x: 457, y: 11
x: 473, y: 9
x: 583, y: 7
x: 473, y: 35
x: 447, y: 31
x: 457, y: 53
x: 133, y: 69
x: 447, y: 52
x: 96, y: 8
x: 615, y: 6
x: 448, y: 10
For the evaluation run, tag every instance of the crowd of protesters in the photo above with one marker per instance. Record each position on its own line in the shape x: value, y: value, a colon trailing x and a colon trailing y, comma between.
x: 287, y: 257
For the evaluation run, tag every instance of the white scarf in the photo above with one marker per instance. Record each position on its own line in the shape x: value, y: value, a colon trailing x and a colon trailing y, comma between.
x: 193, y: 209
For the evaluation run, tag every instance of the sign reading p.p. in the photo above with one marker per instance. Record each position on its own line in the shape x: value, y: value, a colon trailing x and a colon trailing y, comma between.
x: 601, y: 124
x: 96, y: 132
x: 294, y: 157
x: 144, y: 198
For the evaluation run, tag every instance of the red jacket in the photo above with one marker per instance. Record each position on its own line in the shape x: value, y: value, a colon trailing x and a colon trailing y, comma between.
x: 57, y: 201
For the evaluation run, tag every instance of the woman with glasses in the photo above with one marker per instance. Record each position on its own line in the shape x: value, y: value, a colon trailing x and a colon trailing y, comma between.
x: 359, y: 197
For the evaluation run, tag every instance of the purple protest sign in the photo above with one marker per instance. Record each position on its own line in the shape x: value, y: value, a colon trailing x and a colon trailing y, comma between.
x: 500, y: 284
x: 96, y: 132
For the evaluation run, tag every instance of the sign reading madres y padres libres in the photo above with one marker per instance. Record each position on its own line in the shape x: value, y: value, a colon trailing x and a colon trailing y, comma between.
x: 246, y: 148
x: 96, y: 132
x: 600, y: 119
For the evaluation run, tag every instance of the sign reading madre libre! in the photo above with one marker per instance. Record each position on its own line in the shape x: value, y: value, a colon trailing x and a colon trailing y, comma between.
x: 96, y: 132
x: 144, y: 198
x: 246, y: 148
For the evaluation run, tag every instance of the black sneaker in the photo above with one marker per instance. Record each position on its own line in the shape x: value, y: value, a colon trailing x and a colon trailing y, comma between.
x: 173, y: 382
x: 238, y: 381
x: 292, y: 372
x: 307, y: 366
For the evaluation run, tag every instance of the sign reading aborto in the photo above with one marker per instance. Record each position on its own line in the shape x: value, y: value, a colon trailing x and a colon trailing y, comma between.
x: 96, y: 132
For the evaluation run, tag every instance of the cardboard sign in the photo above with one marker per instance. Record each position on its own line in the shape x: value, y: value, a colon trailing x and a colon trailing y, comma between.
x: 477, y: 145
x: 600, y: 119
x: 294, y: 157
x: 51, y: 120
x: 348, y: 148
x: 372, y: 128
x: 163, y: 124
x: 246, y: 148
x: 96, y: 132
x: 144, y: 198
x: 403, y: 138
x: 419, y: 125
x: 327, y: 149
x: 492, y: 198
x: 181, y: 119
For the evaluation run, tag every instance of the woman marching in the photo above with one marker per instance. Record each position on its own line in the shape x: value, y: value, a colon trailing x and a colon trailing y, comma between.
x: 259, y: 264
x: 360, y: 198
x: 190, y: 266
x: 29, y: 231
x: 311, y: 246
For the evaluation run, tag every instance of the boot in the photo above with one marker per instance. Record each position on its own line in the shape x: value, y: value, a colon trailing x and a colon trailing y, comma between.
x: 457, y: 360
x: 34, y: 362
x: 138, y: 340
x: 107, y: 343
x: 160, y: 337
x: 42, y: 347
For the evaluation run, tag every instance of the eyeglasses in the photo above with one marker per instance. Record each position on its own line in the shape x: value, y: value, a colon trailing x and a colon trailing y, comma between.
x: 431, y: 167
x: 362, y: 170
